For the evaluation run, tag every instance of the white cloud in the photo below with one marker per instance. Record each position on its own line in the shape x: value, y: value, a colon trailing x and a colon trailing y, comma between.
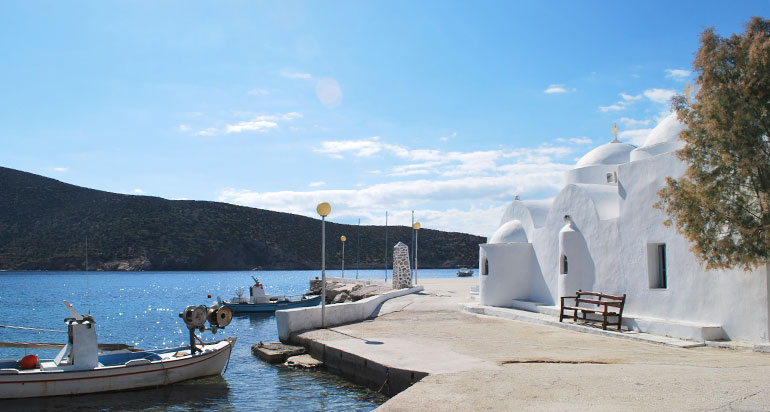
x: 259, y: 92
x: 432, y: 182
x: 630, y: 98
x: 184, y: 128
x: 261, y: 123
x: 251, y: 126
x: 629, y: 122
x: 626, y: 100
x: 360, y: 148
x: 555, y: 88
x: 292, y: 74
x: 659, y: 95
x: 678, y: 74
x: 60, y: 169
x: 612, y: 107
x: 207, y: 132
x: 138, y: 191
x: 316, y: 184
x: 414, y: 194
x: 446, y: 138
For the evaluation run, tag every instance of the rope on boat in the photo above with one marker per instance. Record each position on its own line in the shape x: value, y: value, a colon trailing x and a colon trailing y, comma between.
x: 228, y: 356
x: 35, y: 329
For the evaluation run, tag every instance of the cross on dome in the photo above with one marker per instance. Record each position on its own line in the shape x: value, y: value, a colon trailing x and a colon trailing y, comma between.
x: 614, y: 131
x: 687, y: 92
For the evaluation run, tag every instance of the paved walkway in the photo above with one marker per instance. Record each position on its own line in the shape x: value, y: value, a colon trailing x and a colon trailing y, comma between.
x: 479, y: 362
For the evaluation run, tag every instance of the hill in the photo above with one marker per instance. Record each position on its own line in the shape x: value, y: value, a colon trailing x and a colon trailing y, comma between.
x: 44, y: 224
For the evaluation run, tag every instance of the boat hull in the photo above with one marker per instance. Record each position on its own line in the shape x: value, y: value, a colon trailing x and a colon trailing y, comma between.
x: 272, y: 307
x: 464, y: 273
x: 56, y: 382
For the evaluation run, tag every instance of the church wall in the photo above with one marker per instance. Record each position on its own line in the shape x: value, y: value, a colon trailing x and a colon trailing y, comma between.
x: 596, y: 174
x: 734, y: 299
x: 532, y: 218
x: 600, y: 241
x: 513, y: 271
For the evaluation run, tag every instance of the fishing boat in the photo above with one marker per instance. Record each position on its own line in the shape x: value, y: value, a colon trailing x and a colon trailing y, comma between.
x: 83, y: 366
x: 259, y: 301
x: 464, y: 272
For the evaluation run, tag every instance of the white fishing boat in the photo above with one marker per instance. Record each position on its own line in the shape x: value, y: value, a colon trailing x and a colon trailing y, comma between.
x: 464, y: 272
x: 259, y: 301
x: 80, y: 367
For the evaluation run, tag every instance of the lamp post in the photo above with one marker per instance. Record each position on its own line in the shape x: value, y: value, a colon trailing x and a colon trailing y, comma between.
x: 323, y: 210
x: 416, y: 227
x: 343, y: 239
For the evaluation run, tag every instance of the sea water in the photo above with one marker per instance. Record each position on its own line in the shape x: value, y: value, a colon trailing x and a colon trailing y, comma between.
x: 142, y: 309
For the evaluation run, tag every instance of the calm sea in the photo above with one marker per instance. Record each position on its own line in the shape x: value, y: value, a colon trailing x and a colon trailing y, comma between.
x: 141, y: 308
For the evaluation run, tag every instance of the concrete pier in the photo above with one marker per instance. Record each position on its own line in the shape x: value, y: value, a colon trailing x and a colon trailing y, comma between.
x: 436, y: 357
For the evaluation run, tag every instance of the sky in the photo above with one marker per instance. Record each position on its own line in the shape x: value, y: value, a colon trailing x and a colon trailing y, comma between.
x: 449, y: 109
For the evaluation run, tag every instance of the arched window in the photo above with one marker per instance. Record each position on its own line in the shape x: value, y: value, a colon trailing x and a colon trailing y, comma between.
x: 564, y: 265
x: 485, y: 266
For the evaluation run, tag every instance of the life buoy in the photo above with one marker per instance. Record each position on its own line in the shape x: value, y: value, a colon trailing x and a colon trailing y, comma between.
x: 28, y: 362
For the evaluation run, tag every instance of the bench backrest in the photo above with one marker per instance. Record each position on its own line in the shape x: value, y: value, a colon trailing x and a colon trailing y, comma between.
x: 621, y: 298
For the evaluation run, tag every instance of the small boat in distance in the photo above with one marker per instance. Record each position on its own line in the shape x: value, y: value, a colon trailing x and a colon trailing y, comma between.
x: 259, y: 301
x: 464, y: 272
x: 83, y: 366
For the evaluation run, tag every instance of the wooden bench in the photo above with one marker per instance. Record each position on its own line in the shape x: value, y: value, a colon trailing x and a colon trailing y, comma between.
x: 601, y: 304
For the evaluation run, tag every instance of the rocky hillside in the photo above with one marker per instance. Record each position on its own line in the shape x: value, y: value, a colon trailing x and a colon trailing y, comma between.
x: 44, y: 224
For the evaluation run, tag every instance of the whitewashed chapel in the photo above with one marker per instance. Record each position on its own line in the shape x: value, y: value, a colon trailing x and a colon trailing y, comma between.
x: 601, y: 233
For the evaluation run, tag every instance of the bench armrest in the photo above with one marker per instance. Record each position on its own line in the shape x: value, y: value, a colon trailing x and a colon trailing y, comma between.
x: 568, y: 297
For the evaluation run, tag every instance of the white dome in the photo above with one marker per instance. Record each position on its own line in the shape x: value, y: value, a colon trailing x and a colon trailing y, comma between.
x: 510, y: 232
x: 666, y: 131
x: 613, y: 153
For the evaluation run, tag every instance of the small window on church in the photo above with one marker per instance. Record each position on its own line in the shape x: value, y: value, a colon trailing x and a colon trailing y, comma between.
x: 564, y: 265
x: 656, y: 265
x: 484, y: 266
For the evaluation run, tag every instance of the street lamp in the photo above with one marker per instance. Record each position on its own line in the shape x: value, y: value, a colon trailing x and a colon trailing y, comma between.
x: 343, y: 239
x: 323, y: 209
x: 416, y: 227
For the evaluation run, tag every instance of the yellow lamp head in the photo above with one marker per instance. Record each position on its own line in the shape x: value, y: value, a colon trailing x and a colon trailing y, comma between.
x: 343, y: 238
x: 323, y: 209
x: 416, y: 225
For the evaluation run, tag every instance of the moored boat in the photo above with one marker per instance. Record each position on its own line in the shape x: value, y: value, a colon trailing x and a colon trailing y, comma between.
x: 81, y: 368
x: 259, y: 301
x: 464, y: 272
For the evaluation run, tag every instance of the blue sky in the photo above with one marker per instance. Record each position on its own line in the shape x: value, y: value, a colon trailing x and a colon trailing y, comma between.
x: 449, y: 109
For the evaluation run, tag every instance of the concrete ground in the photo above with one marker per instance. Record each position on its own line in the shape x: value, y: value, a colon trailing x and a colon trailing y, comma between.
x: 480, y: 363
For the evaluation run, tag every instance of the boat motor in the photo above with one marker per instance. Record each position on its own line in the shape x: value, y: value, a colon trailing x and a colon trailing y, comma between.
x: 219, y: 317
x: 195, y: 317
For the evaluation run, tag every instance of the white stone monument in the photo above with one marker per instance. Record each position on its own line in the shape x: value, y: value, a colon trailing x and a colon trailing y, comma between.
x: 402, y: 272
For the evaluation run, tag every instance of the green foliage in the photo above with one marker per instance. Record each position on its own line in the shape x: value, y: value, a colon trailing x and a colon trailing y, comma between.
x: 722, y: 203
x: 44, y: 224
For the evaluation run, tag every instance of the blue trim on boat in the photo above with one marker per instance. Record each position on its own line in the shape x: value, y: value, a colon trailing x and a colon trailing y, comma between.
x: 122, y: 358
x: 273, y: 306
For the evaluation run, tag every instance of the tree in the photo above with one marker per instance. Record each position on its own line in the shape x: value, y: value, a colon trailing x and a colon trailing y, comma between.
x: 722, y: 202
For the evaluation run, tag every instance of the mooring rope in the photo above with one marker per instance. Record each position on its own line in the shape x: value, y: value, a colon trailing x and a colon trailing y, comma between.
x: 387, y: 377
x: 35, y: 329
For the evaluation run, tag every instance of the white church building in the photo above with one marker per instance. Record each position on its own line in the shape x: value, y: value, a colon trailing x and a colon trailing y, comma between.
x: 601, y: 233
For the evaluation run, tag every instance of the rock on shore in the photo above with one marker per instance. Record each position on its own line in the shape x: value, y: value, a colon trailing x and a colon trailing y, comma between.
x: 343, y: 290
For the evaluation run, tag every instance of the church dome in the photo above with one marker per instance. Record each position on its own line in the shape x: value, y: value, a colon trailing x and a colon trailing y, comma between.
x: 510, y: 232
x: 667, y: 131
x: 613, y: 153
